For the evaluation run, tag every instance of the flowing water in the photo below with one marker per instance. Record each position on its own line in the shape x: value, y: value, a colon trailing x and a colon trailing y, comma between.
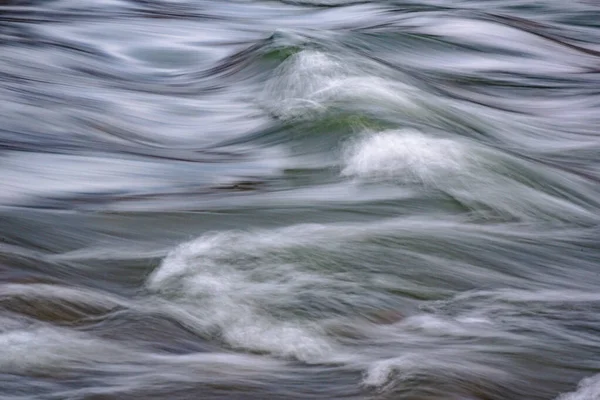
x: 328, y: 199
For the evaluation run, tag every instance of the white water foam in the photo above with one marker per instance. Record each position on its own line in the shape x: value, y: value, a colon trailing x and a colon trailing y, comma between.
x: 270, y: 291
x: 588, y: 389
x: 411, y: 365
x: 232, y: 281
x: 276, y: 291
x: 416, y: 331
x: 242, y: 286
x: 48, y: 349
x: 471, y: 173
x: 54, y: 352
x: 406, y: 155
x: 311, y: 81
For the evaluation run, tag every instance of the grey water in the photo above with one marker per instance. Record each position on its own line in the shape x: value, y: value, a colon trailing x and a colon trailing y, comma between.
x: 328, y: 199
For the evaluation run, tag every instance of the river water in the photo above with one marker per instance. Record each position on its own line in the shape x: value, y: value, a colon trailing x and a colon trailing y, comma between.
x: 300, y: 199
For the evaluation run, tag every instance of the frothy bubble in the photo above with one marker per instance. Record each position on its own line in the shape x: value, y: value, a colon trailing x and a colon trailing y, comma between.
x: 311, y: 81
x: 405, y: 156
x: 235, y: 282
x: 588, y: 389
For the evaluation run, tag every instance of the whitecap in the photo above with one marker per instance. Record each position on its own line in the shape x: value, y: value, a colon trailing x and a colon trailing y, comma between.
x: 311, y: 81
x: 481, y: 178
x: 405, y: 155
x: 233, y: 282
x: 587, y: 389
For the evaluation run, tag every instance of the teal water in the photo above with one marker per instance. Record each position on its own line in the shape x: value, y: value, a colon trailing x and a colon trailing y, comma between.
x: 300, y: 199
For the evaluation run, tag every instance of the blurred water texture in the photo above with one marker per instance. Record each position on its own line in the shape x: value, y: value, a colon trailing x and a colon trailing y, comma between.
x: 393, y: 199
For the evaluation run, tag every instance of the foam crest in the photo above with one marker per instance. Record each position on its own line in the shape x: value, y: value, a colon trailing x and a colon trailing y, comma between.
x: 588, y: 389
x: 481, y: 178
x: 442, y: 363
x: 406, y: 156
x: 311, y: 81
x: 211, y: 246
x: 239, y: 283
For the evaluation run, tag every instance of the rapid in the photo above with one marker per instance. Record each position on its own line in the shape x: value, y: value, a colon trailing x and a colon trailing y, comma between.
x: 328, y: 199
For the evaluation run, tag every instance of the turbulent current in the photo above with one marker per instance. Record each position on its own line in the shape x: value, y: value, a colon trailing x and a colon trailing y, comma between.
x: 328, y: 199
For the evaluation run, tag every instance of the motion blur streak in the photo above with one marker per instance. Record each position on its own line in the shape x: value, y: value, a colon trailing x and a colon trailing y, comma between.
x: 326, y: 199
